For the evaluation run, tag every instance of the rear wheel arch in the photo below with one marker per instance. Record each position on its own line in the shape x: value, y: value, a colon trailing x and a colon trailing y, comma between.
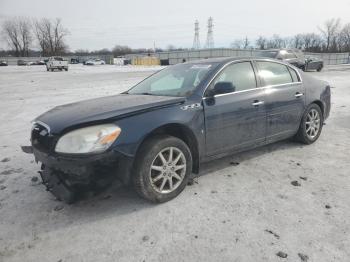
x: 310, y: 123
x: 182, y: 132
x: 320, y: 104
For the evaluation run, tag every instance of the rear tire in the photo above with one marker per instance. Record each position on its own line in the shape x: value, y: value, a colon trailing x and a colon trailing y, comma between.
x: 319, y: 69
x: 311, y: 125
x: 162, y: 168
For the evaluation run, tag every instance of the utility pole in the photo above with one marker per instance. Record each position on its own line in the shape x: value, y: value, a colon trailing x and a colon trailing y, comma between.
x: 196, y: 43
x: 210, y: 35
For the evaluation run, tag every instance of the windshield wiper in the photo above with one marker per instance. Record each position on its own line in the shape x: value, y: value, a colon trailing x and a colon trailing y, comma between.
x: 146, y: 94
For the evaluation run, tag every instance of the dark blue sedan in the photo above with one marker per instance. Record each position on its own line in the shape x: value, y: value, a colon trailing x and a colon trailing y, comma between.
x: 160, y: 131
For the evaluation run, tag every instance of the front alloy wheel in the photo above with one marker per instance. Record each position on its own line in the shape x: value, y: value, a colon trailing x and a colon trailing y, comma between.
x: 168, y: 169
x: 162, y: 168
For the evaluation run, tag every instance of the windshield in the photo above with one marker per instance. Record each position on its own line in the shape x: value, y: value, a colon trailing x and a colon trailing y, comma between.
x: 178, y: 80
x: 270, y: 54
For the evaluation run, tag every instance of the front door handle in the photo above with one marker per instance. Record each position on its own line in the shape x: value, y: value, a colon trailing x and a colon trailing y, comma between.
x: 257, y: 103
x: 297, y: 94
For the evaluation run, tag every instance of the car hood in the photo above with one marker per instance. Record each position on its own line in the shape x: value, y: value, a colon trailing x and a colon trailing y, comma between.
x: 102, y: 109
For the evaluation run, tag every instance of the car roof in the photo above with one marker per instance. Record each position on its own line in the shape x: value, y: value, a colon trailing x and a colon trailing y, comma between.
x: 224, y: 60
x: 281, y: 49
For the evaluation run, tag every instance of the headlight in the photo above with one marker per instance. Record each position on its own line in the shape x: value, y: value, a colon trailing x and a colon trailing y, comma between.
x: 91, y: 139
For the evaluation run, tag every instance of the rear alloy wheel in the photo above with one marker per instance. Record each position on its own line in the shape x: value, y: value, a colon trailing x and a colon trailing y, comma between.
x: 311, y: 125
x: 162, y: 168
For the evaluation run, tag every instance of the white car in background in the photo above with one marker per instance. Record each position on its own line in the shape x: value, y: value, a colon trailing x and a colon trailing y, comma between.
x: 57, y: 62
x: 95, y: 62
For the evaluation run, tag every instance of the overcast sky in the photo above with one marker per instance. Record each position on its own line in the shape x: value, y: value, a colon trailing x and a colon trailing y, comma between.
x: 105, y: 23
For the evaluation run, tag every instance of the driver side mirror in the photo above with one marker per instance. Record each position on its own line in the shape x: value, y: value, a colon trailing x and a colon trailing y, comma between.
x: 223, y: 88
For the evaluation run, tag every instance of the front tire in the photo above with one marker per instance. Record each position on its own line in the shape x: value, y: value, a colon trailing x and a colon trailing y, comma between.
x: 162, y: 168
x: 319, y: 69
x: 311, y: 125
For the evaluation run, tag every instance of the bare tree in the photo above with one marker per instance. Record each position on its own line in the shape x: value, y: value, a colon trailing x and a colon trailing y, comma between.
x: 50, y: 36
x: 298, y: 41
x: 81, y: 52
x: 246, y: 43
x: 330, y: 33
x: 261, y: 42
x: 276, y: 42
x: 25, y: 35
x: 58, y: 40
x: 11, y: 34
x: 18, y: 34
x: 237, y: 44
x: 120, y: 50
x: 311, y: 42
x: 345, y: 38
x: 40, y: 35
x: 170, y: 47
x: 103, y: 51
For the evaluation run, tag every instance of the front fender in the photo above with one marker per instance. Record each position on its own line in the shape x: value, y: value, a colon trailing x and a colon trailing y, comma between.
x: 136, y: 128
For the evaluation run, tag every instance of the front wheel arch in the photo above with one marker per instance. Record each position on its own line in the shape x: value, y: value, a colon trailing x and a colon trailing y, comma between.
x: 182, y: 132
x: 142, y: 178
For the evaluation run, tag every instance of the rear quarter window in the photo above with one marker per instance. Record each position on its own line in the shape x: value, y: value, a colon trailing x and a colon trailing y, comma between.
x: 290, y: 56
x: 294, y: 75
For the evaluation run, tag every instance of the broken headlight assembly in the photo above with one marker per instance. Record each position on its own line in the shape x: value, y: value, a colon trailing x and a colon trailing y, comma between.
x: 93, y: 139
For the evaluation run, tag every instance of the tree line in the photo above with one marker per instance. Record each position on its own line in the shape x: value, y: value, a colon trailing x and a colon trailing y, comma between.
x: 332, y: 37
x: 48, y: 36
x: 22, y: 34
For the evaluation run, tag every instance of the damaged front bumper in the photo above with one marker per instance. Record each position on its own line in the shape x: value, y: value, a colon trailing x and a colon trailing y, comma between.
x: 69, y: 176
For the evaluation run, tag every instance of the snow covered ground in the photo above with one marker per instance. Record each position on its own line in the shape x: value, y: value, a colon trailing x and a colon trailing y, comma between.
x: 242, y: 208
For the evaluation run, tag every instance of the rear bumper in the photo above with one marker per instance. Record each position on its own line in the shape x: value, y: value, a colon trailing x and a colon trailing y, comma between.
x: 67, y: 177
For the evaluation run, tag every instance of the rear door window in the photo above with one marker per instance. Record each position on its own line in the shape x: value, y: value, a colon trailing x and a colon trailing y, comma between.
x: 274, y: 73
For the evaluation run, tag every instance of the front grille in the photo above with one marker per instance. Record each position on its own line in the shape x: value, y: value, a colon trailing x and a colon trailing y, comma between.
x: 41, y: 138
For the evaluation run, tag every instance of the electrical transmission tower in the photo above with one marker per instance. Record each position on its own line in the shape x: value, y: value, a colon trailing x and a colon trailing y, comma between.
x: 210, y: 36
x: 196, y: 43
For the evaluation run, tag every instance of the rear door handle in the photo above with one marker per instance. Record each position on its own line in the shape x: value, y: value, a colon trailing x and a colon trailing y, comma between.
x: 257, y: 103
x: 297, y: 94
